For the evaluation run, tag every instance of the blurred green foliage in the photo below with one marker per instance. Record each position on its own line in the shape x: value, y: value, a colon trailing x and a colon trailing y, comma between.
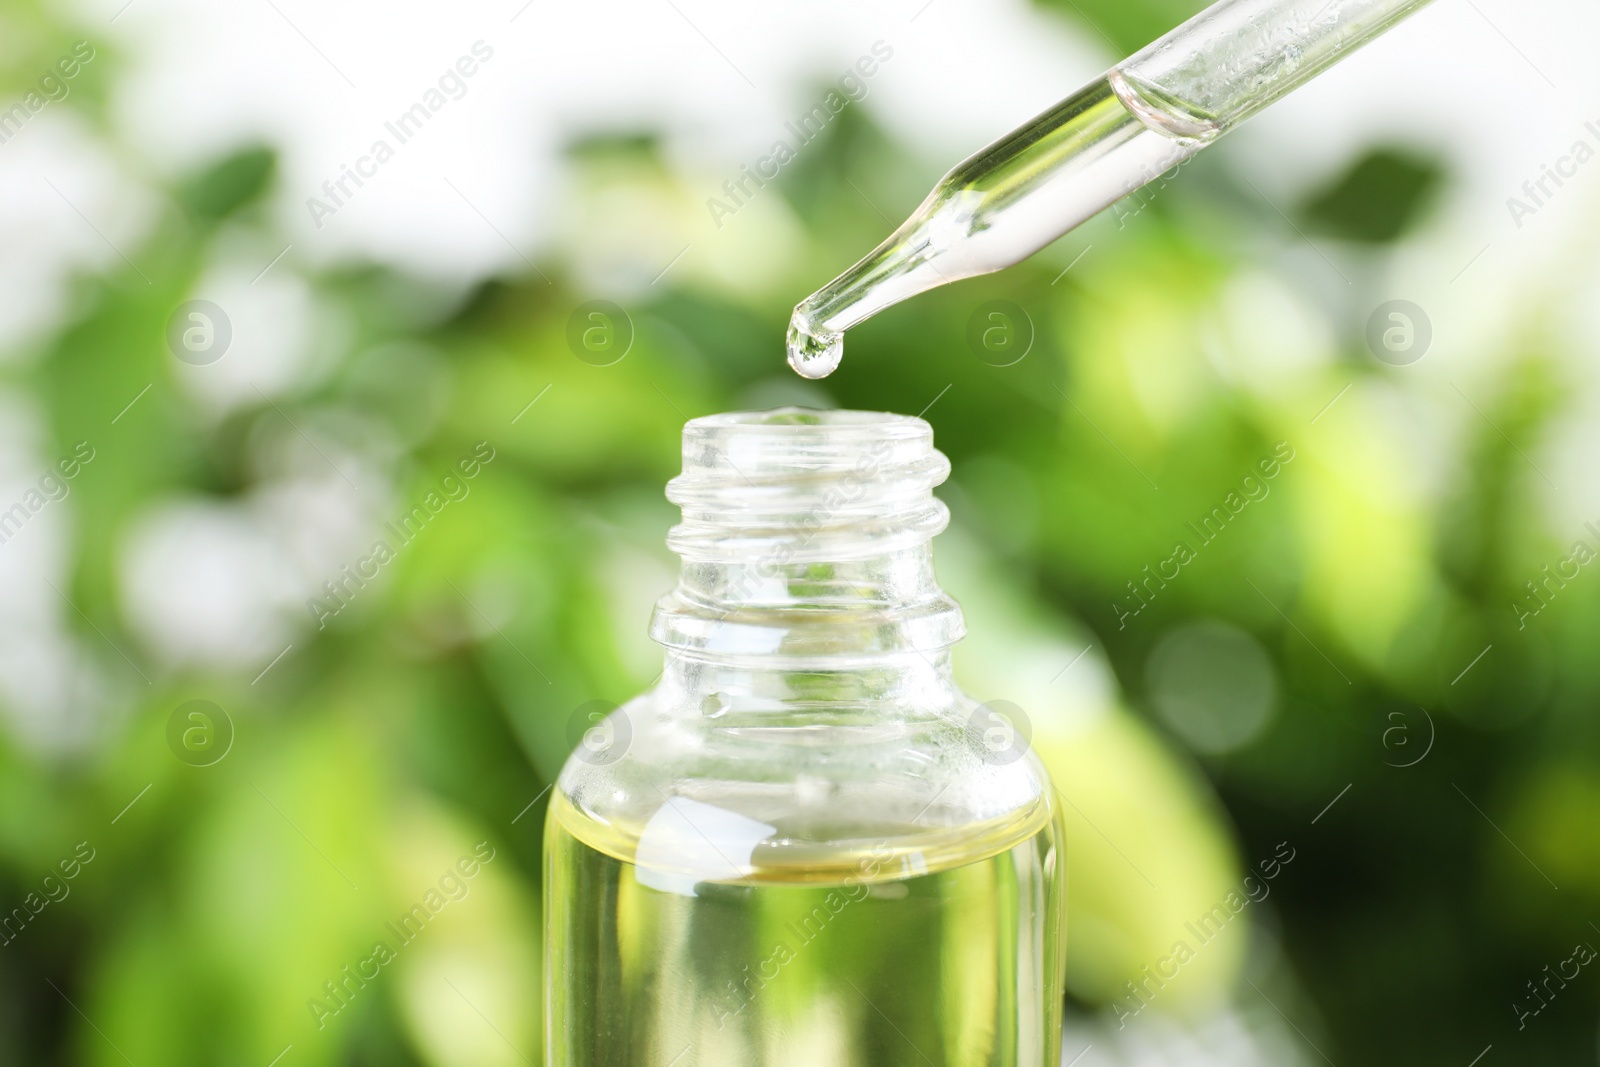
x: 1377, y: 199
x: 430, y: 715
x: 228, y: 186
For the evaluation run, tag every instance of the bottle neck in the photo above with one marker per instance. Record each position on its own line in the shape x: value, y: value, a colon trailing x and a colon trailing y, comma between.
x: 738, y: 690
x: 807, y: 558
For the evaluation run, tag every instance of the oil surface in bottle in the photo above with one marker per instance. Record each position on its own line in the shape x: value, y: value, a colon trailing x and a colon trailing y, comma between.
x: 880, y: 954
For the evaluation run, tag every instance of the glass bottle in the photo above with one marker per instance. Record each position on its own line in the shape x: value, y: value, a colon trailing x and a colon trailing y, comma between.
x: 804, y: 845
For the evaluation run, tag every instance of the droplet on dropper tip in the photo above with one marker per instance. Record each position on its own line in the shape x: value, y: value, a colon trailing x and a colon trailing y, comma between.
x: 813, y: 353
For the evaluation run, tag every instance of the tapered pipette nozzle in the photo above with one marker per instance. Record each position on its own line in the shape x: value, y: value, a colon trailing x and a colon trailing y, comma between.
x: 1136, y: 123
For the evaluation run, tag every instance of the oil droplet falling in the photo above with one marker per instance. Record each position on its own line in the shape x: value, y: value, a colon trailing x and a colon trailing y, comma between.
x: 813, y: 353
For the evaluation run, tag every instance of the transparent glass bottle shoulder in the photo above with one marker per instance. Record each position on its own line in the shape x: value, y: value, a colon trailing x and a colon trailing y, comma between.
x: 720, y: 790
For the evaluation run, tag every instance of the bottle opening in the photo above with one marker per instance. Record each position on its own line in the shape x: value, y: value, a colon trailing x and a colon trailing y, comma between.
x: 824, y: 486
x: 807, y: 528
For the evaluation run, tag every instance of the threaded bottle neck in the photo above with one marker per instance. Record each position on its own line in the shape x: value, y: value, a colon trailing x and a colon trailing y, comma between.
x: 806, y: 535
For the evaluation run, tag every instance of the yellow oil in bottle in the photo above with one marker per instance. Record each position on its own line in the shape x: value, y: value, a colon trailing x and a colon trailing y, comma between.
x: 922, y: 949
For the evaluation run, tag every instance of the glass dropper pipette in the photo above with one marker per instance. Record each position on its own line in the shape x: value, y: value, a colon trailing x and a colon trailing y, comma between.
x: 1143, y: 117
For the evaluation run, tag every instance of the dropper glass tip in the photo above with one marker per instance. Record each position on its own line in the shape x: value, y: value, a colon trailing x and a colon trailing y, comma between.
x: 813, y: 353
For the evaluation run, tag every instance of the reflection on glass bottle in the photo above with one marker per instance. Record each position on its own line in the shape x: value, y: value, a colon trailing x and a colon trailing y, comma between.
x: 805, y: 844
